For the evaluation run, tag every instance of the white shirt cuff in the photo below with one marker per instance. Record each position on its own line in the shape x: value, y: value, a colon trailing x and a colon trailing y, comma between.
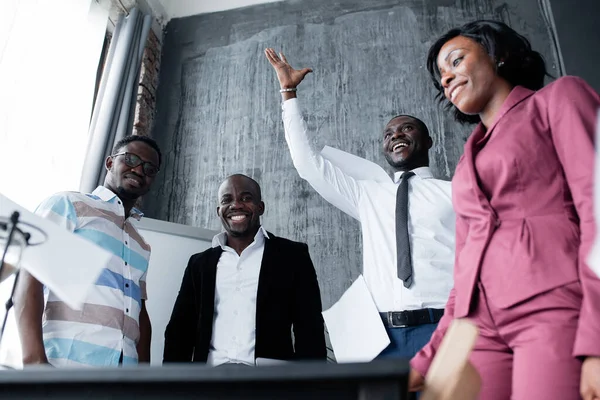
x: 291, y: 106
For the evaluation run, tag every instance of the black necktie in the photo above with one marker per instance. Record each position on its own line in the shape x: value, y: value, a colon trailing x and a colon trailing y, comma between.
x: 405, y: 270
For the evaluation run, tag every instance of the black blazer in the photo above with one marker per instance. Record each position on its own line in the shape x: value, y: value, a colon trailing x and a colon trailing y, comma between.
x: 288, y: 296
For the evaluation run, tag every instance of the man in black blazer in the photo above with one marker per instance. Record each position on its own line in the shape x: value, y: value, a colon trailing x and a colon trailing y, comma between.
x: 240, y: 299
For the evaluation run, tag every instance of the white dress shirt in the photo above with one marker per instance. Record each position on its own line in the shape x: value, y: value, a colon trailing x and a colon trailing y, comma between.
x: 373, y: 202
x: 234, y: 325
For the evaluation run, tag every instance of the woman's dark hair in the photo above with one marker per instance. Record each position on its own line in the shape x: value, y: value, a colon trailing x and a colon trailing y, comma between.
x: 521, y: 65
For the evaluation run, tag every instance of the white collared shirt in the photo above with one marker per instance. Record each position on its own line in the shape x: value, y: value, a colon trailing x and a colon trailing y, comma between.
x: 234, y: 324
x: 373, y: 203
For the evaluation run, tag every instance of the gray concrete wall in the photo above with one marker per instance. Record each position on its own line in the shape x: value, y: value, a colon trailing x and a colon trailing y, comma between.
x: 218, y: 105
x: 578, y: 33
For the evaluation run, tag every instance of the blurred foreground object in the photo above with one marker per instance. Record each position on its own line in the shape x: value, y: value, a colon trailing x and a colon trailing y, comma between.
x: 451, y: 375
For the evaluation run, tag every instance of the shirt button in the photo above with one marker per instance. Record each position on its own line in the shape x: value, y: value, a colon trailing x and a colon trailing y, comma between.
x: 237, y: 289
x: 125, y: 262
x: 126, y: 242
x: 119, y: 202
x: 235, y: 313
x: 127, y: 310
x: 234, y: 338
x: 127, y: 285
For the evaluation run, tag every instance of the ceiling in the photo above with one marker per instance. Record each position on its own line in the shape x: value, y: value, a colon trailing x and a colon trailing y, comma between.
x: 182, y: 8
x: 164, y: 10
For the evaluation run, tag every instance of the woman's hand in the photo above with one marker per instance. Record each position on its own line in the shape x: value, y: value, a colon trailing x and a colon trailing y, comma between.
x: 590, y: 379
x: 416, y: 381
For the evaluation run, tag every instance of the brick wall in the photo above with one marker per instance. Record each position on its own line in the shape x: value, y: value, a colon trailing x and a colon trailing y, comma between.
x: 146, y: 94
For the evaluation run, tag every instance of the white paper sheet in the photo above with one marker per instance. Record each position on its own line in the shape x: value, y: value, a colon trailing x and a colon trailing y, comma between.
x: 66, y: 263
x: 355, y: 328
x: 594, y: 256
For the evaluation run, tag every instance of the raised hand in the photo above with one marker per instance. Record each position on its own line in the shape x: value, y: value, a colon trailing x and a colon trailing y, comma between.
x: 288, y: 76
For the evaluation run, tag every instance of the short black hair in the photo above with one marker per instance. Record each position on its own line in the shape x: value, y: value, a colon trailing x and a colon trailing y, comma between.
x: 254, y: 183
x: 136, y: 138
x: 422, y: 127
x: 521, y: 66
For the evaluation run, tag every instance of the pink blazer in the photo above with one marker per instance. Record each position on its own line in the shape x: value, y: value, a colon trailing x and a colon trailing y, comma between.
x: 523, y: 196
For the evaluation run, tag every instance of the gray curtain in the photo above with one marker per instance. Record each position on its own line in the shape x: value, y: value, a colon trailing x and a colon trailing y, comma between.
x: 112, y: 118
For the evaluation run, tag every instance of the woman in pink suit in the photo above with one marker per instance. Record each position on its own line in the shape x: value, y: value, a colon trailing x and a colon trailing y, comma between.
x: 522, y: 193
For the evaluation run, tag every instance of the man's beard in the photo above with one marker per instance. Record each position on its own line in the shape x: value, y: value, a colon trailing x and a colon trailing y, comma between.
x: 413, y: 160
x: 395, y: 164
x: 125, y: 194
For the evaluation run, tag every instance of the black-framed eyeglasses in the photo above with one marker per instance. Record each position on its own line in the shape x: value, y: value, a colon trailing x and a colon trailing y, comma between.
x: 132, y: 160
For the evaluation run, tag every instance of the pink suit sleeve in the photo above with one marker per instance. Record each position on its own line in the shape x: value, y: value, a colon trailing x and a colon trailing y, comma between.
x: 572, y: 110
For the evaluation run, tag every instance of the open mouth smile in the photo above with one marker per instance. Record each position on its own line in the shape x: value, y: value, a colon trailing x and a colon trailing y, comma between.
x: 134, y: 181
x: 399, y: 146
x: 238, y: 217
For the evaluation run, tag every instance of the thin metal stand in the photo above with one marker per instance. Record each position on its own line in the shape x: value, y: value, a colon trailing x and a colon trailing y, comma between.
x: 8, y: 305
x: 12, y: 230
x: 11, y: 226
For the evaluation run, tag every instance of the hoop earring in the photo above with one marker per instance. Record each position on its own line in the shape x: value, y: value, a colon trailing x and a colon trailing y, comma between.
x: 501, y: 64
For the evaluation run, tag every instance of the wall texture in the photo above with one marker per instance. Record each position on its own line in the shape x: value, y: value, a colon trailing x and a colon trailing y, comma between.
x: 579, y: 37
x: 146, y: 93
x: 218, y: 106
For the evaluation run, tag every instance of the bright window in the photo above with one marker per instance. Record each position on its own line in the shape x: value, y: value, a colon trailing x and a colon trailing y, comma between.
x: 49, y: 54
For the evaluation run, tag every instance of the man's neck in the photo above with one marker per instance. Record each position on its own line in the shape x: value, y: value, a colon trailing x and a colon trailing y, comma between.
x: 410, y: 168
x: 128, y: 204
x: 239, y: 243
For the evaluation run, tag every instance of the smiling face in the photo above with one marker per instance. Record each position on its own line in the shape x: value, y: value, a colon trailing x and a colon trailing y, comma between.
x: 406, y: 143
x: 129, y: 183
x: 240, y: 206
x: 468, y: 77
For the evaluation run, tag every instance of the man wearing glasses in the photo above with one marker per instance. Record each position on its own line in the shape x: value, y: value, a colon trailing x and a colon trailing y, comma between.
x: 113, y: 326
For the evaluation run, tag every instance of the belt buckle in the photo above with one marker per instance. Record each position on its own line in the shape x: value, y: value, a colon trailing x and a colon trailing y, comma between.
x: 391, y: 321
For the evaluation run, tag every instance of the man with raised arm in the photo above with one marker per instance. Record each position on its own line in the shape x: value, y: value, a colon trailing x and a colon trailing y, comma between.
x: 407, y: 222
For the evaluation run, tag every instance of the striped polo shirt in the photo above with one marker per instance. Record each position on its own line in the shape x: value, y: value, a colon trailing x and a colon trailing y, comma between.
x: 108, y: 324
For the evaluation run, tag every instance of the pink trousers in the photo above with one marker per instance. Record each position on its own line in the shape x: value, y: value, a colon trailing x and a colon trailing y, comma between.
x: 525, y: 352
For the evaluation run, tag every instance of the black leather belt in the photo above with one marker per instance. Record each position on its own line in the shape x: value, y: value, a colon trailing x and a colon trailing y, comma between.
x: 401, y: 319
